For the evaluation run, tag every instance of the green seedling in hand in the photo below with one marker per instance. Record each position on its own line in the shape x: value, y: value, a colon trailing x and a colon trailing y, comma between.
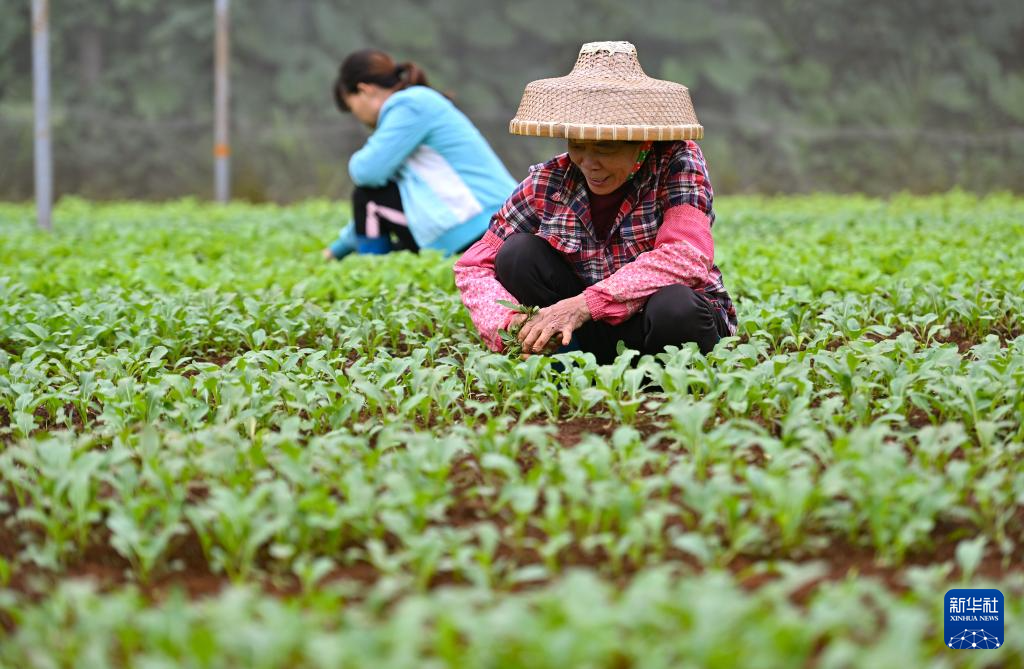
x: 510, y: 337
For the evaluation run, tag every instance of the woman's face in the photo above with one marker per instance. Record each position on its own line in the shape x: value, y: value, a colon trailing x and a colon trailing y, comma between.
x: 605, y: 164
x: 366, y: 101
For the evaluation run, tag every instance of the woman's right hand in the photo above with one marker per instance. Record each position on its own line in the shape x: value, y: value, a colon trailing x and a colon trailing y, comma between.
x: 554, y: 325
x: 516, y: 324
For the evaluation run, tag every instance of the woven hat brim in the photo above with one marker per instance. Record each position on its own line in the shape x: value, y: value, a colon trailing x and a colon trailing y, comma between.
x: 607, y: 96
x: 591, y: 131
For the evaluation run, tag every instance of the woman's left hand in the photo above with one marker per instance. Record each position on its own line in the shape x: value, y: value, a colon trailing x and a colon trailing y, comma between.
x: 561, y: 318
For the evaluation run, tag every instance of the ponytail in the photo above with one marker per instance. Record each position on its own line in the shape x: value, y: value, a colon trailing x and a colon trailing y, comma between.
x: 372, y: 66
x: 410, y: 74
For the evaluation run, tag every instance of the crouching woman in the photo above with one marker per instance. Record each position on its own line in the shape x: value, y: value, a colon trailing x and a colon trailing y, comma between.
x: 612, y: 239
x: 426, y: 177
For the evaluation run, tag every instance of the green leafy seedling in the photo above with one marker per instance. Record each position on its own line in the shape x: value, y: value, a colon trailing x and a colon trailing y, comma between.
x: 510, y: 337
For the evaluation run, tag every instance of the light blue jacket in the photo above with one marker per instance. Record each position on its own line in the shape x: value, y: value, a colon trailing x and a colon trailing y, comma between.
x: 450, y: 180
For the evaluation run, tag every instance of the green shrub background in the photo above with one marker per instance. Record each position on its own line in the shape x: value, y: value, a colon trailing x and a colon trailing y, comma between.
x: 871, y: 97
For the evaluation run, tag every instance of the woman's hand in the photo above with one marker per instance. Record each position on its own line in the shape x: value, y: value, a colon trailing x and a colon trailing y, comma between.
x: 561, y: 318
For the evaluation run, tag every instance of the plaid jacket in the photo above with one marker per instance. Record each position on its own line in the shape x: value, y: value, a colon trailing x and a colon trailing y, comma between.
x: 553, y: 203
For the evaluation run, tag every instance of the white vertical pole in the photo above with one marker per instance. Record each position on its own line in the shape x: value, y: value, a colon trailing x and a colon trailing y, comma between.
x: 41, y: 104
x: 221, y: 141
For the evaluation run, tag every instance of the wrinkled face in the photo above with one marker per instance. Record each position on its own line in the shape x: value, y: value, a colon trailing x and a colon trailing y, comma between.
x: 605, y: 164
x: 365, y: 103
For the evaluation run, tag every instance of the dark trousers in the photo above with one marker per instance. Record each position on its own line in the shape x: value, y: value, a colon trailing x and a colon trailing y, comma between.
x: 389, y: 235
x: 538, y: 275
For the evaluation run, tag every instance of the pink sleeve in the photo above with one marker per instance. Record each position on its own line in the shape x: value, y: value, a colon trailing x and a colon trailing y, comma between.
x: 683, y: 253
x: 481, y: 290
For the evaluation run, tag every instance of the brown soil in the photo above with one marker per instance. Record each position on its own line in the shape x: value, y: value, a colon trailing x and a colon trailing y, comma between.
x: 103, y: 565
x: 108, y: 570
x: 100, y: 563
x: 918, y: 418
x: 959, y: 334
x: 218, y: 359
x: 962, y: 337
x: 571, y: 431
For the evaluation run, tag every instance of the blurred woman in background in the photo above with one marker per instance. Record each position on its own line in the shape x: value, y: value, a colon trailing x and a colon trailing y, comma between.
x: 426, y: 177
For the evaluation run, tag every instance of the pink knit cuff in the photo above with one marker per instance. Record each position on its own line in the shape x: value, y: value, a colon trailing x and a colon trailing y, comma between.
x: 604, y: 308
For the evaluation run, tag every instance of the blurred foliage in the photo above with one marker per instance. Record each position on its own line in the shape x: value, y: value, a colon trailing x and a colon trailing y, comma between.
x: 871, y: 96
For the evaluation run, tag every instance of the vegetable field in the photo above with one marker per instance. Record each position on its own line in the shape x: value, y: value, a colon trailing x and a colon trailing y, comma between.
x: 217, y: 451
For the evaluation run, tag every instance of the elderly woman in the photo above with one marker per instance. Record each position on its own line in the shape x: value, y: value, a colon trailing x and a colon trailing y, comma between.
x: 612, y: 240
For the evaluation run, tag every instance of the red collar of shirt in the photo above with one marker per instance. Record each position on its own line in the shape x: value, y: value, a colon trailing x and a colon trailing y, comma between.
x: 604, y: 209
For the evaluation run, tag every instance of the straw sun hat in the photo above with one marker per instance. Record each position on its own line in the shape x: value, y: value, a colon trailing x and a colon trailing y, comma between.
x: 607, y: 96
